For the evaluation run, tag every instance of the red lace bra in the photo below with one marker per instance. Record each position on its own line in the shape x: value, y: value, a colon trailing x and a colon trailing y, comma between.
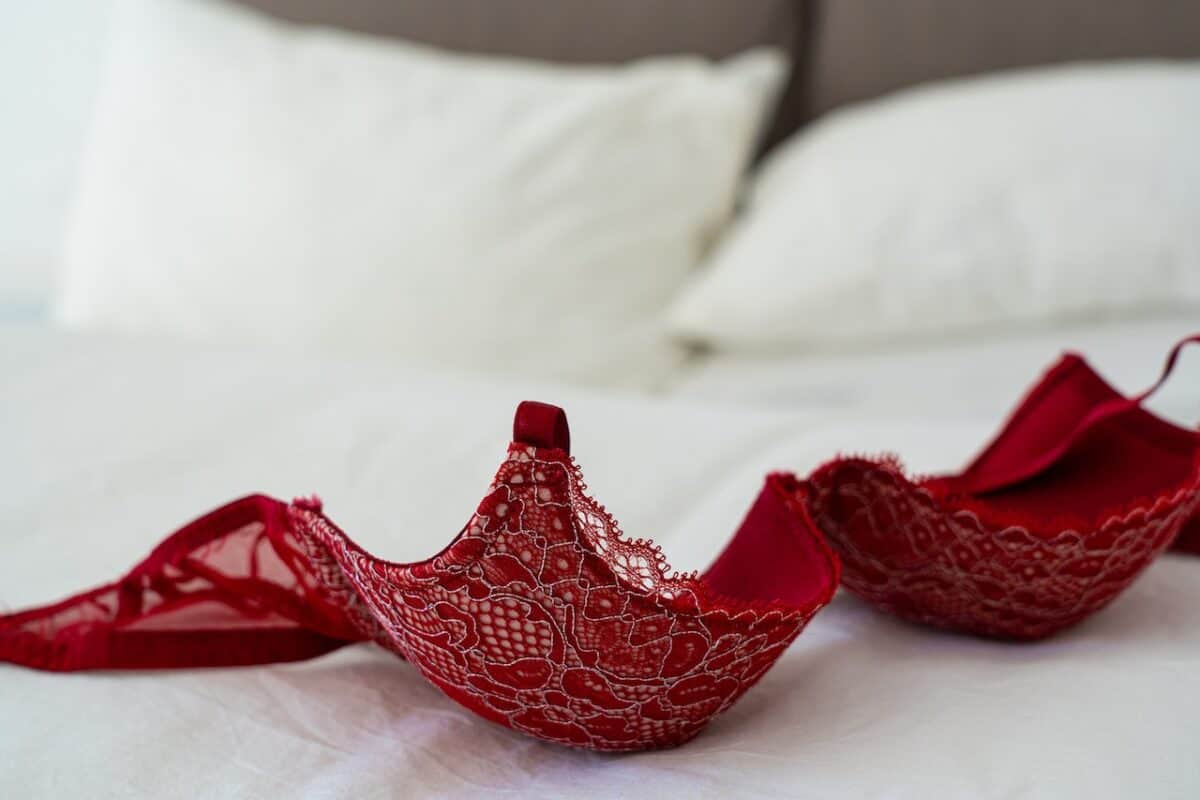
x: 539, y: 616
x: 542, y: 617
x: 1077, y: 494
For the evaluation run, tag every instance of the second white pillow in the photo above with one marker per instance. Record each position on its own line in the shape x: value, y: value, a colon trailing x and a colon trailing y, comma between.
x: 1025, y: 197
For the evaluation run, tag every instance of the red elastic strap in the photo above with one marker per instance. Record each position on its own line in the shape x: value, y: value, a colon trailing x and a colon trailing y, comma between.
x: 1115, y: 407
x: 1169, y: 366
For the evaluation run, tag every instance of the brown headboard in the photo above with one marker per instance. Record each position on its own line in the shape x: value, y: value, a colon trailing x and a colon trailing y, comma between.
x: 598, y: 31
x: 595, y: 31
x: 845, y: 50
x: 859, y: 49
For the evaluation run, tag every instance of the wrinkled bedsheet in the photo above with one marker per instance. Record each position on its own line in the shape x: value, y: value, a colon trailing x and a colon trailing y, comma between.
x: 106, y: 445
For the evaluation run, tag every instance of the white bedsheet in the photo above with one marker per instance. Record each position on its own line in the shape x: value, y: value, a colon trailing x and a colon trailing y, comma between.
x: 979, y: 378
x: 105, y: 446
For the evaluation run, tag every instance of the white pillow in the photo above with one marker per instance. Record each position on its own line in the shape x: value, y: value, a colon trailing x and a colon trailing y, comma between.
x: 1032, y: 196
x: 251, y: 180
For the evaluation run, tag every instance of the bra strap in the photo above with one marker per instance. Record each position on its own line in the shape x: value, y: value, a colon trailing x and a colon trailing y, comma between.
x: 1168, y: 367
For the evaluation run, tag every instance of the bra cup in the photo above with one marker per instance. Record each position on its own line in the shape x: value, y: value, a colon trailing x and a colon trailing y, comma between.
x: 542, y: 617
x: 955, y: 563
x: 1078, y: 493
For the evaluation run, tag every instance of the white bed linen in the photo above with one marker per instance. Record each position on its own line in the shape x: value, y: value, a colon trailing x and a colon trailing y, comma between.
x: 109, y: 445
x: 979, y: 377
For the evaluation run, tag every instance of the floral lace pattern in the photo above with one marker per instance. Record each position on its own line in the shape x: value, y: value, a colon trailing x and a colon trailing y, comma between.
x: 542, y: 617
x: 922, y: 559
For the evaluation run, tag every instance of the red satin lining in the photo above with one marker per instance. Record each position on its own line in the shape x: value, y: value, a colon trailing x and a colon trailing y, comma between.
x: 777, y: 555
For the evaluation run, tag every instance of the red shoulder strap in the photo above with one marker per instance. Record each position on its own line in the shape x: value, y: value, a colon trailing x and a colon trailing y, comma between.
x: 1168, y: 367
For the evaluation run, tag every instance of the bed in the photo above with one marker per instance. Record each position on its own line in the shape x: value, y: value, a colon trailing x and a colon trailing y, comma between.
x: 861, y: 705
x: 109, y: 441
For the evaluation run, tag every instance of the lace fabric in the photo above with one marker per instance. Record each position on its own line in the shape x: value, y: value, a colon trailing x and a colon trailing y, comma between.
x: 539, y: 616
x: 913, y: 552
x: 1077, y: 494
